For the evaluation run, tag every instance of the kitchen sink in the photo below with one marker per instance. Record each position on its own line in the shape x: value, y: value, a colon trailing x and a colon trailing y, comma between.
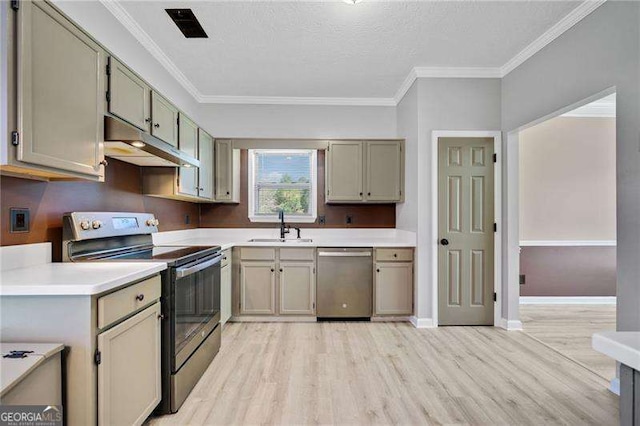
x: 280, y: 240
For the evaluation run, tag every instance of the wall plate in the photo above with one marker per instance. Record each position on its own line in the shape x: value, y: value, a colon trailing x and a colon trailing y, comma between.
x: 19, y: 220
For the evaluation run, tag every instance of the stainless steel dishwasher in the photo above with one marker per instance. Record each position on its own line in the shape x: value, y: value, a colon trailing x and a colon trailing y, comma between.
x: 345, y: 283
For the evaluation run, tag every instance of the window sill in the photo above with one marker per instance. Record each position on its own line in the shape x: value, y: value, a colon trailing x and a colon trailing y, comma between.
x: 288, y: 220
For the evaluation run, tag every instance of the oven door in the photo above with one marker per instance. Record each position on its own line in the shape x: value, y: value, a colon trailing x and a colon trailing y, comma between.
x: 196, y: 306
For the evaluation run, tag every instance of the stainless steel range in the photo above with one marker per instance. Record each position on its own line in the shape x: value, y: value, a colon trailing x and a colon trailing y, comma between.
x: 190, y: 290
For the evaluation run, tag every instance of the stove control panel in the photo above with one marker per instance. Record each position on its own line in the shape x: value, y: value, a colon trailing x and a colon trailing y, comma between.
x: 91, y: 225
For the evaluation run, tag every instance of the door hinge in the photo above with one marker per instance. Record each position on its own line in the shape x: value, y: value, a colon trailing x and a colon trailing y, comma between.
x: 108, y: 96
x: 108, y: 69
x: 15, y: 4
x: 15, y: 138
x: 495, y: 158
x: 97, y: 357
x: 495, y: 296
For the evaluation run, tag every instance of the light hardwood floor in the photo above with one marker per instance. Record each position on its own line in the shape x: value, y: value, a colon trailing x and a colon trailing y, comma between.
x: 568, y: 329
x: 383, y: 373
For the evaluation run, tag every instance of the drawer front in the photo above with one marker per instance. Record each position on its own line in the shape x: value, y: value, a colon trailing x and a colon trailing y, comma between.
x: 297, y: 254
x: 226, y: 258
x: 257, y: 253
x: 123, y: 302
x: 394, y: 255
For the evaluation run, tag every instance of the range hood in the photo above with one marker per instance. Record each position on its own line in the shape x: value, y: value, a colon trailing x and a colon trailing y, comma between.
x: 125, y: 142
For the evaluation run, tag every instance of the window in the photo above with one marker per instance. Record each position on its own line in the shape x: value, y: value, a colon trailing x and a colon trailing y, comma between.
x: 282, y: 180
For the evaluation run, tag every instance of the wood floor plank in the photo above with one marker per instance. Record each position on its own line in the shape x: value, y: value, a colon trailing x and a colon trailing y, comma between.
x: 391, y: 373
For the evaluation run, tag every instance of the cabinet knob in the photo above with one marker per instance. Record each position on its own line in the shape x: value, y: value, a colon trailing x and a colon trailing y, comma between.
x: 273, y: 270
x: 104, y: 163
x: 377, y: 270
x: 160, y: 316
x: 201, y: 189
x: 368, y: 194
x: 140, y: 297
x: 227, y: 192
x: 280, y: 269
x: 361, y: 194
x: 147, y: 120
x: 156, y: 125
x: 395, y: 254
x: 444, y: 242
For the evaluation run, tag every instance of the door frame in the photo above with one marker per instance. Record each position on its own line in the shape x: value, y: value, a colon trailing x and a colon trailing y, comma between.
x: 497, y: 212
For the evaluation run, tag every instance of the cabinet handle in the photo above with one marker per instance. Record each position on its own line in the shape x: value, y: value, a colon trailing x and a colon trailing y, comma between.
x: 224, y: 258
x: 140, y: 297
x: 104, y: 163
x: 156, y: 125
x: 201, y: 189
x: 147, y: 120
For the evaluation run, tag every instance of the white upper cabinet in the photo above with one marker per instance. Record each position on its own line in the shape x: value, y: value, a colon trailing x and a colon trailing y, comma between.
x: 364, y: 171
x: 128, y: 96
x: 344, y: 171
x: 227, y: 167
x: 60, y: 94
x: 205, y: 174
x: 164, y: 119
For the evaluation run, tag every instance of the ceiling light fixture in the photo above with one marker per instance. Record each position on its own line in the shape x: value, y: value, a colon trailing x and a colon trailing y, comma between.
x: 352, y: 2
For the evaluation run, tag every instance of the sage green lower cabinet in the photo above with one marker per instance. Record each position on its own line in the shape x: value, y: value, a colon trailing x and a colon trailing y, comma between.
x: 129, y: 382
x: 393, y: 282
x: 257, y: 288
x: 297, y: 286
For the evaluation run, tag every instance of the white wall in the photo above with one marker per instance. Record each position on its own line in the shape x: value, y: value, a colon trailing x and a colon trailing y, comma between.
x: 568, y: 180
x: 444, y: 104
x: 407, y: 123
x: 298, y: 121
x: 600, y: 52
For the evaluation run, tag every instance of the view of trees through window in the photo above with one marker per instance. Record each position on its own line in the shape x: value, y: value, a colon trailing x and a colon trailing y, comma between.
x: 282, y: 180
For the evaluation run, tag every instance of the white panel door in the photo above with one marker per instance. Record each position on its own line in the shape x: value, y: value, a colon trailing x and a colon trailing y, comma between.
x: 466, y: 234
x: 129, y: 381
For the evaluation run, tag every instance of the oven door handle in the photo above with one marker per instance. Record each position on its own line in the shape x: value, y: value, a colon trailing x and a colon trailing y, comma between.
x: 185, y: 272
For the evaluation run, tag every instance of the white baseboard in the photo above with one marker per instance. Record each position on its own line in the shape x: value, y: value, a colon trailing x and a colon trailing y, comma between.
x: 267, y: 318
x: 614, y: 386
x: 567, y: 300
x: 511, y: 325
x: 421, y: 322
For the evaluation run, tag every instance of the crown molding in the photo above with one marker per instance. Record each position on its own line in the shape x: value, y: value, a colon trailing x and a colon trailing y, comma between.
x: 294, y: 100
x: 152, y: 47
x: 575, y: 16
x: 566, y: 23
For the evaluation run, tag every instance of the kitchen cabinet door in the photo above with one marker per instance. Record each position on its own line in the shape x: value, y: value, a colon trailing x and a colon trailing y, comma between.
x: 227, y: 172
x: 205, y: 172
x: 129, y: 95
x: 393, y: 287
x: 61, y: 92
x: 344, y: 165
x: 164, y: 119
x: 225, y: 293
x: 297, y: 288
x: 188, y: 143
x: 129, y: 370
x: 383, y: 171
x: 257, y: 288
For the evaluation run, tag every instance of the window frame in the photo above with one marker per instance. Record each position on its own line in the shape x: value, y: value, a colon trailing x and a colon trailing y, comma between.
x: 313, y: 197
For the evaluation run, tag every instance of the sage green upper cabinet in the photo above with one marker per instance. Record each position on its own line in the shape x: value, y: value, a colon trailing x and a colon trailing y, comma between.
x: 344, y: 171
x: 164, y: 117
x: 129, y: 95
x: 188, y: 143
x: 227, y: 167
x: 384, y: 171
x: 60, y: 94
x: 364, y: 171
x: 205, y: 155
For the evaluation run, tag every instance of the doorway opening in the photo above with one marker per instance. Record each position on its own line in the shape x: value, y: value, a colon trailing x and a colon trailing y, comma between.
x: 567, y: 231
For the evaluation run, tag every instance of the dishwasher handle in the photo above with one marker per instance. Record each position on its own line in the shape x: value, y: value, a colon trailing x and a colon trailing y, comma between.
x: 344, y: 253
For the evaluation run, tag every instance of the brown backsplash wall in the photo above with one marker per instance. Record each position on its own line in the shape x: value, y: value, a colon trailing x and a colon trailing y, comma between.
x: 48, y: 201
x: 236, y: 215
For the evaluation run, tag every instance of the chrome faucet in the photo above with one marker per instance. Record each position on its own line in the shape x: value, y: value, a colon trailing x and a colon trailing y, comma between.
x: 284, y: 229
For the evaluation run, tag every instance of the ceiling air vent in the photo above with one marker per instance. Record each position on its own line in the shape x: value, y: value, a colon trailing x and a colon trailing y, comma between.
x: 187, y: 23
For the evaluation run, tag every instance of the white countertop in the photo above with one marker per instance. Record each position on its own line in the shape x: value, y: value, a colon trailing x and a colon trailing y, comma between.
x: 15, y: 370
x: 74, y: 279
x: 227, y: 238
x: 623, y: 346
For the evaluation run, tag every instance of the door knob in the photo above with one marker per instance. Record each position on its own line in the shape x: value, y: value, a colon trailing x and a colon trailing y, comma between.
x: 444, y: 242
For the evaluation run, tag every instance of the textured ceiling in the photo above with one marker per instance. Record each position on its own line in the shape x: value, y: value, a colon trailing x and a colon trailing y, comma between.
x: 331, y: 49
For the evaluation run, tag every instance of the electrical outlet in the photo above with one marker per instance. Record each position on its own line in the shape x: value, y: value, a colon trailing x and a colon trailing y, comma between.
x: 187, y: 219
x: 322, y: 220
x: 522, y: 279
x: 19, y: 220
x: 349, y: 219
